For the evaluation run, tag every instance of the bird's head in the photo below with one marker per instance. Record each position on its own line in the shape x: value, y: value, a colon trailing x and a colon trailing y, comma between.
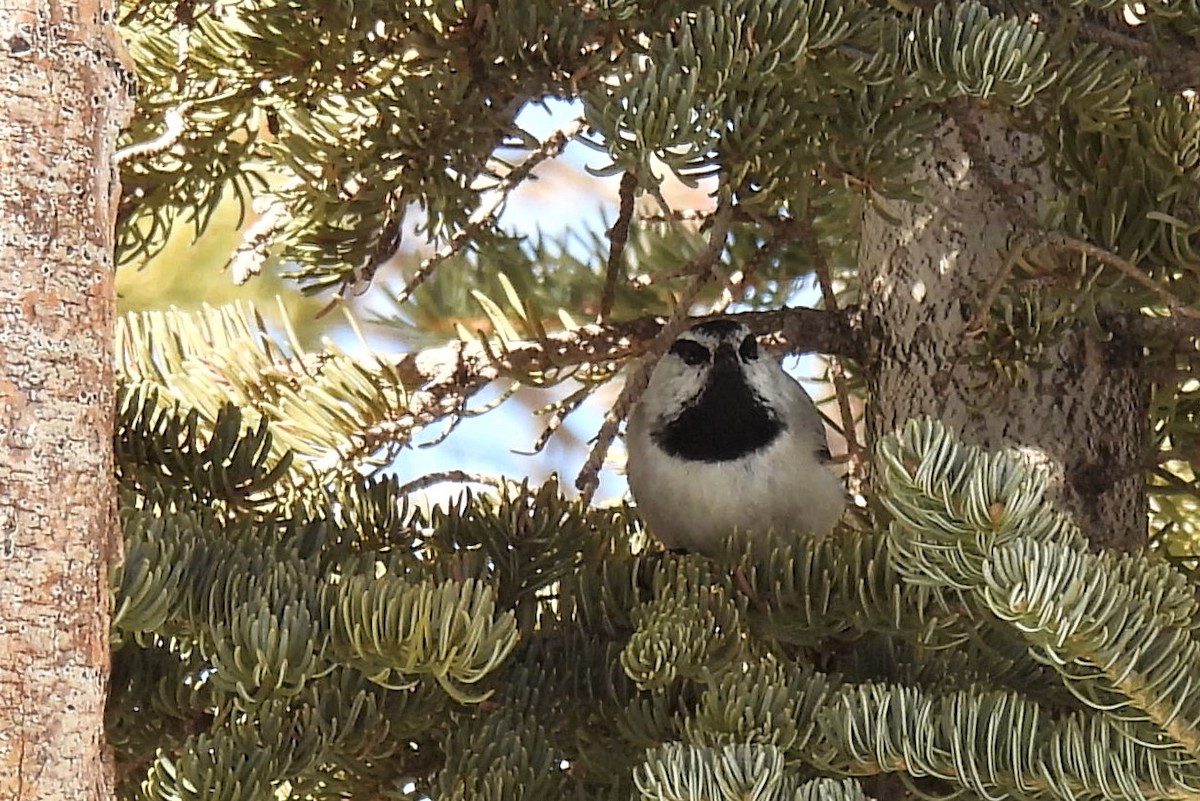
x: 714, y: 395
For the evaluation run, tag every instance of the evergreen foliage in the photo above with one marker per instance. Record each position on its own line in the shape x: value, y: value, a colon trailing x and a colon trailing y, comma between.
x: 289, y: 624
x: 522, y: 647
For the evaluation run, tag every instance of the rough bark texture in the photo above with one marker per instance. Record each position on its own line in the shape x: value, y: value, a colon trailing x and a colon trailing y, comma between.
x: 63, y: 99
x: 923, y: 281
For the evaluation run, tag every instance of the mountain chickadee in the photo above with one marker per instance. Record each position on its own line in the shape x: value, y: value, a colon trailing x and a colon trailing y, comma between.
x: 724, y: 439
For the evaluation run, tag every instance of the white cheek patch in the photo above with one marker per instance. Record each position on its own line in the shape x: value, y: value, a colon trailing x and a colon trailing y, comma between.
x: 671, y: 389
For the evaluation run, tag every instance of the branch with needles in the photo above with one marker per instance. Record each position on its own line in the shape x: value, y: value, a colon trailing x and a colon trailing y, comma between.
x: 439, y: 382
x: 1126, y: 268
x: 1006, y: 195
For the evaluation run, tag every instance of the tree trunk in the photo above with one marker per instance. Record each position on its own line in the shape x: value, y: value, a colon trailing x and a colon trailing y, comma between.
x: 1084, y: 411
x: 64, y: 96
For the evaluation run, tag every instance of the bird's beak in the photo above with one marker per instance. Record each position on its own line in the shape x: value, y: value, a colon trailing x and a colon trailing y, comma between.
x: 725, y: 360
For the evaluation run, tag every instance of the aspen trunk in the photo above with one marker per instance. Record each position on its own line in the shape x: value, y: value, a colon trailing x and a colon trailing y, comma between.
x: 1084, y: 411
x: 63, y: 100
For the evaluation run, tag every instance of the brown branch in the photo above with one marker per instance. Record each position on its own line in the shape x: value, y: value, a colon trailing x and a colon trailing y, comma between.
x: 618, y: 235
x: 1183, y: 333
x: 1168, y: 56
x: 1130, y: 270
x: 1175, y: 67
x: 449, y: 477
x: 821, y: 267
x: 443, y: 379
x: 675, y: 217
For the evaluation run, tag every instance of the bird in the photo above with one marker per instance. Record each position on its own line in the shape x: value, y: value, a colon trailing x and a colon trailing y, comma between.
x: 723, y: 439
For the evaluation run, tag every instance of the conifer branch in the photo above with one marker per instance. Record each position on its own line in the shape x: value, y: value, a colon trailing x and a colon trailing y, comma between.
x: 1006, y: 195
x: 198, y: 365
x: 1175, y: 68
x: 1126, y: 268
x: 449, y: 375
x: 413, y: 390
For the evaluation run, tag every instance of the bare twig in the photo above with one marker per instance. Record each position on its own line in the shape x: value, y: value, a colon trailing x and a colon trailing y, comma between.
x: 618, y: 235
x: 449, y: 477
x: 248, y: 258
x: 703, y: 267
x: 552, y: 147
x: 174, y: 120
x: 453, y: 419
x: 1110, y: 259
x: 837, y: 373
x: 558, y: 415
x: 679, y: 216
x: 978, y: 322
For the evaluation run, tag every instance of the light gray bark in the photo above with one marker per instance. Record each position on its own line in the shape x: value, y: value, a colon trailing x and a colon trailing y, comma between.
x: 62, y: 100
x: 924, y: 279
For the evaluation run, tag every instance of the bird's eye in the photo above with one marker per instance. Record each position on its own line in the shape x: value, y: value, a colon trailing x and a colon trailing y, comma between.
x: 692, y: 353
x: 748, y: 349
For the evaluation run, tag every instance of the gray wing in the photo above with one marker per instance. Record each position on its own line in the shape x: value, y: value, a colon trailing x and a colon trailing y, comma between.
x: 807, y: 419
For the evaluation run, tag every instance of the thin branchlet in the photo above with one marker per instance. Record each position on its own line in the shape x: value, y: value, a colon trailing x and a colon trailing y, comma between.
x: 703, y: 268
x: 174, y: 124
x: 841, y: 389
x: 618, y: 235
x: 486, y: 213
x: 448, y: 477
